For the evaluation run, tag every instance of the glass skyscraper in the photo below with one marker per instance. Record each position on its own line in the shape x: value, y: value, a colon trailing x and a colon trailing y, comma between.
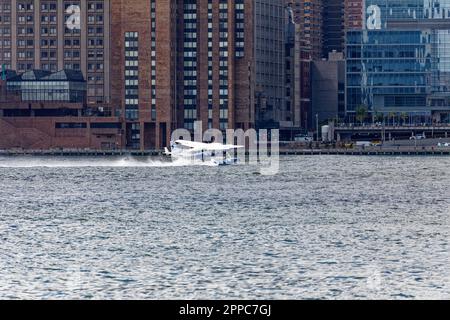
x: 399, y: 63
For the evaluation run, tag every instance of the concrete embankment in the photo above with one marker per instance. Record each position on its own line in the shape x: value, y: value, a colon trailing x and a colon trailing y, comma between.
x: 427, y: 147
x: 371, y: 151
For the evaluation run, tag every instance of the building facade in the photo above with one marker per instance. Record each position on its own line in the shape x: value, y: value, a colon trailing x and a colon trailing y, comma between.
x: 41, y: 110
x: 309, y: 39
x: 309, y: 18
x: 400, y: 63
x: 354, y: 14
x: 270, y: 53
x: 44, y: 86
x: 154, y: 65
x: 215, y: 64
x: 143, y: 71
x: 333, y: 27
x: 328, y: 88
x: 52, y: 35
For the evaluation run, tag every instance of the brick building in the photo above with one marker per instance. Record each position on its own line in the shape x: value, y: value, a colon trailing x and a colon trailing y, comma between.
x: 215, y: 63
x: 52, y: 35
x: 143, y: 73
x: 44, y: 110
x: 354, y: 13
x: 153, y: 66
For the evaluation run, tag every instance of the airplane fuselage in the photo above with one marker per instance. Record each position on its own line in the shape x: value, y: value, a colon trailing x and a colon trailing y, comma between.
x: 204, y: 152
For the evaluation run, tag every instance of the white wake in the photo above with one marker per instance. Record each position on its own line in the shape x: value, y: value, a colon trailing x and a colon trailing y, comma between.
x: 101, y: 162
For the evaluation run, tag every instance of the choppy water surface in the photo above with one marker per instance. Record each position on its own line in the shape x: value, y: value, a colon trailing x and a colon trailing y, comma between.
x: 324, y: 227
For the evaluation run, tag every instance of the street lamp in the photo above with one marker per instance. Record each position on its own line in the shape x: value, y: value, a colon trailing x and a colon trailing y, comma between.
x: 317, y: 126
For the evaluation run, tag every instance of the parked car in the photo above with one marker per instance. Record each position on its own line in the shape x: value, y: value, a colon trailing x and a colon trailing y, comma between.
x: 376, y: 143
x: 418, y: 137
x: 442, y: 145
x: 363, y: 144
x: 349, y: 145
x: 303, y: 138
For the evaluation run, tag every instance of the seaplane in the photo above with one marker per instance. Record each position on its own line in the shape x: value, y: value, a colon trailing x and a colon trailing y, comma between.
x: 198, y: 152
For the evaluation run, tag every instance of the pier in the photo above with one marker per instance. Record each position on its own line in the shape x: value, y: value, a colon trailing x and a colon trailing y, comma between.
x: 367, y: 152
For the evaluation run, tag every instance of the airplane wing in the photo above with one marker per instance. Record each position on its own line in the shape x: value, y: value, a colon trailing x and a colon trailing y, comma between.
x: 221, y: 147
x: 188, y: 144
x: 198, y: 146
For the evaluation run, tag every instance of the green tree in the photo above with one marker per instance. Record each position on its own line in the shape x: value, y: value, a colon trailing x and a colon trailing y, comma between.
x: 379, y: 117
x: 404, y: 116
x: 392, y: 116
x: 361, y: 113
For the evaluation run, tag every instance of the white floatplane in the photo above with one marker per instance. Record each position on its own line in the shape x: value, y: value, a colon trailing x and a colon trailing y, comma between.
x: 215, y: 153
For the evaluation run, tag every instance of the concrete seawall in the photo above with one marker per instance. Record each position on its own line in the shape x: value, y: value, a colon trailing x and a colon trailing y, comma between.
x: 385, y: 151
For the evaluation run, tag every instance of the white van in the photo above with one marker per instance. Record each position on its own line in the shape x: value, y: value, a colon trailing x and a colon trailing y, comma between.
x: 418, y: 137
x: 363, y: 144
x: 303, y: 138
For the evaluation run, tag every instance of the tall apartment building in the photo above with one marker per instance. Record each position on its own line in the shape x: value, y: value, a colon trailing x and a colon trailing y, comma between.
x: 270, y: 59
x: 322, y: 23
x: 215, y: 63
x: 308, y: 47
x: 5, y: 34
x: 354, y: 14
x: 309, y: 16
x: 52, y: 35
x: 178, y: 62
x: 333, y: 26
x: 292, y: 74
x: 143, y: 70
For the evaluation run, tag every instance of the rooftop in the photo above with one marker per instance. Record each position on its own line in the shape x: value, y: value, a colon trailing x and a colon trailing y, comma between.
x: 42, y: 75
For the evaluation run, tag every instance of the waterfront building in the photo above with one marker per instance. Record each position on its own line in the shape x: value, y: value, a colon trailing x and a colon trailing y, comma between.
x: 270, y: 55
x: 307, y: 18
x: 42, y: 110
x: 215, y: 63
x: 155, y: 65
x: 278, y: 85
x: 52, y: 35
x: 328, y: 87
x: 143, y: 57
x: 319, y: 31
x: 176, y: 63
x: 399, y: 64
x: 44, y: 86
x: 293, y: 121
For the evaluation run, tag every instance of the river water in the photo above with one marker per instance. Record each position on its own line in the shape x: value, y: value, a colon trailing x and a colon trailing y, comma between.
x: 322, y: 228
